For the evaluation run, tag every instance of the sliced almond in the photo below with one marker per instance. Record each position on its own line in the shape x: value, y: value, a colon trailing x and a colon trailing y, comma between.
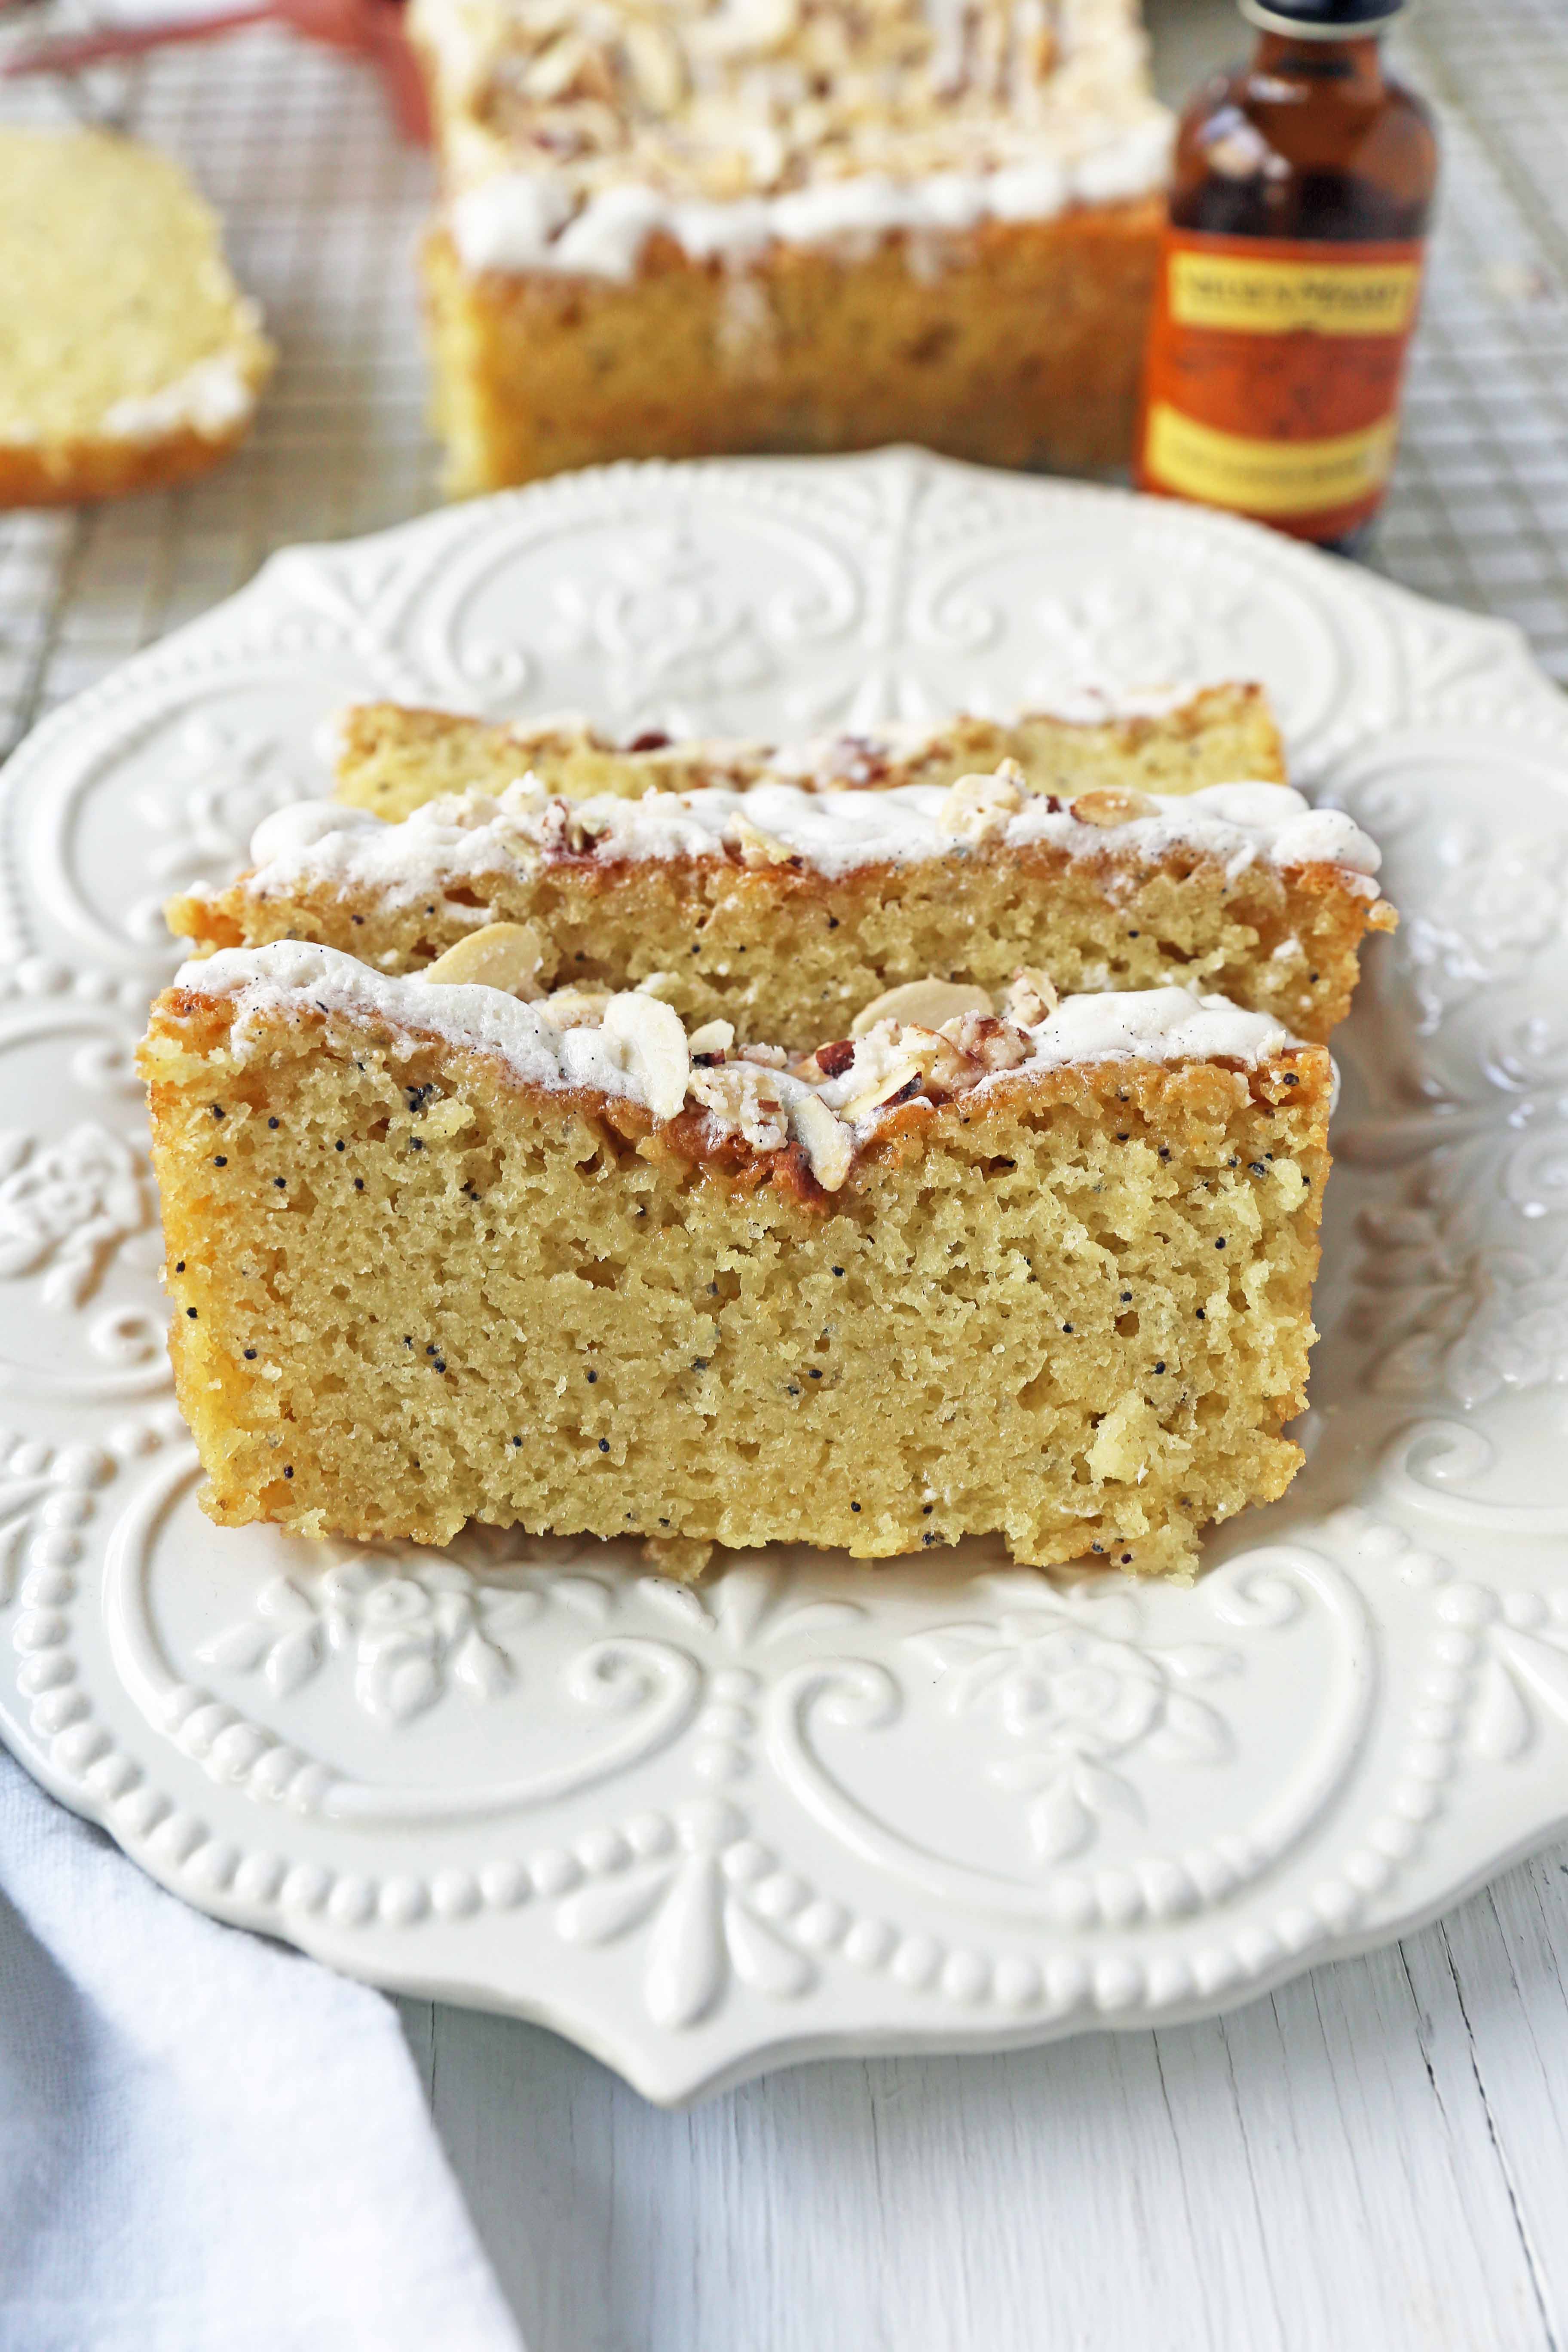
x: 1030, y: 997
x: 828, y: 1143
x: 926, y: 1003
x: 657, y: 68
x: 757, y: 847
x: 551, y: 70
x: 1112, y: 805
x: 978, y: 806
x: 713, y: 1037
x: 575, y: 1008
x: 568, y: 65
x: 746, y: 28
x: 655, y: 1050
x: 891, y: 1081
x: 503, y: 955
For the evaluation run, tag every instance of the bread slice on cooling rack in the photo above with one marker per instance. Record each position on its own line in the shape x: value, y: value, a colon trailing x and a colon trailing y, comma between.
x: 130, y: 359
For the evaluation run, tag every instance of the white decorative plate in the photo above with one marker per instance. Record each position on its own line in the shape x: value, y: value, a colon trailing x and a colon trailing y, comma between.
x: 807, y: 1808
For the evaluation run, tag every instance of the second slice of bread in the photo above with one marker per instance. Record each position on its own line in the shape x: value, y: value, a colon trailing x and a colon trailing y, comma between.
x: 787, y: 912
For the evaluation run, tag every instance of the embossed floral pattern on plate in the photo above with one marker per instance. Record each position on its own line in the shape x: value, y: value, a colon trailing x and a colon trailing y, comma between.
x: 808, y: 1808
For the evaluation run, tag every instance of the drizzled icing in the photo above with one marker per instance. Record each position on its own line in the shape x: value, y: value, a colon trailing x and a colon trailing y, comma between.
x: 634, y: 1048
x: 211, y: 398
x: 522, y: 221
x: 319, y: 846
x: 570, y: 138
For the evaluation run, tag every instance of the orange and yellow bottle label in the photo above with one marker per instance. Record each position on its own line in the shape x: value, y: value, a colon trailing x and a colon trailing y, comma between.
x: 1274, y: 375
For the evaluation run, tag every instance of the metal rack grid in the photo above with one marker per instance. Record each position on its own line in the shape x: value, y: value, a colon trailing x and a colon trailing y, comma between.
x: 323, y: 207
x: 1480, y: 509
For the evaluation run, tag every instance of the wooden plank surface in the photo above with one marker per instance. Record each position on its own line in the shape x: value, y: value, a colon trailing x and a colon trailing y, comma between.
x: 1375, y: 2157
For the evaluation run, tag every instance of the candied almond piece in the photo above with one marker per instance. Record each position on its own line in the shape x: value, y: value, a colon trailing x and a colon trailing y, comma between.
x: 1112, y: 805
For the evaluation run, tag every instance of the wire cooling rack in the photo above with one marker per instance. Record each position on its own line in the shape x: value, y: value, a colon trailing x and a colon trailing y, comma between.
x: 323, y: 206
x: 1480, y: 509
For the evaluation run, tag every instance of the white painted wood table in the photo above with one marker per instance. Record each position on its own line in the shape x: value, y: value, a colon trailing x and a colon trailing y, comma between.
x: 1375, y: 2157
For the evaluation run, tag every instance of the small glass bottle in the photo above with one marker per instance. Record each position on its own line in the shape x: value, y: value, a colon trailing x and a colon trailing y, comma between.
x: 1289, y: 276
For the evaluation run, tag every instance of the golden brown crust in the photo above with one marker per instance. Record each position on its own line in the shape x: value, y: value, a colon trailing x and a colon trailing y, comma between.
x: 1023, y: 347
x: 77, y: 473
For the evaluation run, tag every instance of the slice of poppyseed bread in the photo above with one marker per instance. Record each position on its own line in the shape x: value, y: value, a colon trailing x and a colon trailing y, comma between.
x: 435, y: 1254
x: 792, y: 913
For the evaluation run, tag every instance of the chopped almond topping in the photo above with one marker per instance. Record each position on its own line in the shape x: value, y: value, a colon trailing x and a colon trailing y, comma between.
x: 995, y: 1044
x: 755, y: 846
x: 1030, y: 997
x: 828, y: 1143
x: 977, y: 806
x: 741, y: 1097
x: 925, y: 1003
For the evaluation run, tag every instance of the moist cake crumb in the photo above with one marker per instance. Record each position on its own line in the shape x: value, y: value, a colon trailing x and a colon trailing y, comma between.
x: 974, y: 1211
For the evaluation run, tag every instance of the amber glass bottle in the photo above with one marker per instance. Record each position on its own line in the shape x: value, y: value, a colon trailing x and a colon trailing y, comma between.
x: 1289, y: 276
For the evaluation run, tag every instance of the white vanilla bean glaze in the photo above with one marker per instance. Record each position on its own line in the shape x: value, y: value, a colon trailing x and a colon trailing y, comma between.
x: 319, y: 846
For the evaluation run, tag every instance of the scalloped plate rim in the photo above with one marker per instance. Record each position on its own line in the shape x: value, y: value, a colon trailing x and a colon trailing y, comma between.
x: 662, y: 2066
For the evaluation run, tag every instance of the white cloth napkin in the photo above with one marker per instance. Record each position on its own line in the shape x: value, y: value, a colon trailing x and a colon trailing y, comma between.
x: 208, y: 2144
